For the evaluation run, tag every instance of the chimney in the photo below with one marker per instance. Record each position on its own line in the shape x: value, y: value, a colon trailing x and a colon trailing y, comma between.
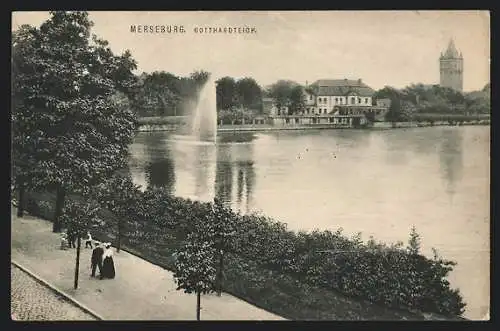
x: 359, y: 81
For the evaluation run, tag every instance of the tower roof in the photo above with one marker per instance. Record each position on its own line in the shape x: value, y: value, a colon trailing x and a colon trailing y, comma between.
x: 451, y: 51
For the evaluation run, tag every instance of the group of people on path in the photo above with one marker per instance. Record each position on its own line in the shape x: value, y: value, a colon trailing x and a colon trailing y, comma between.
x: 68, y: 239
x: 102, y: 258
x: 102, y: 254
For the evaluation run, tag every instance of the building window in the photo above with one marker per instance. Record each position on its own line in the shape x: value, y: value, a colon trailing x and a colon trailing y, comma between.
x: 352, y: 100
x: 366, y: 100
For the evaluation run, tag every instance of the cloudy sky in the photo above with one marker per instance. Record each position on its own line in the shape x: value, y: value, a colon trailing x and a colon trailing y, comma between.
x: 394, y: 48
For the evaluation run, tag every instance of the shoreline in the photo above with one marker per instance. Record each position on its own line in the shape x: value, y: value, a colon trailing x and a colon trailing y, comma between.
x: 270, y: 128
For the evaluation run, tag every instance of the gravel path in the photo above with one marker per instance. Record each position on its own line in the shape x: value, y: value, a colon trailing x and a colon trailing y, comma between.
x: 33, y: 301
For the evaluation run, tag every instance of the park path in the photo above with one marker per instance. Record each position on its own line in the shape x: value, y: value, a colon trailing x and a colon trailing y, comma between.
x: 140, y: 291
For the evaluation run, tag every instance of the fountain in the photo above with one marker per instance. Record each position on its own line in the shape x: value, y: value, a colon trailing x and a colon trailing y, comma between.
x: 204, y: 116
x: 197, y: 173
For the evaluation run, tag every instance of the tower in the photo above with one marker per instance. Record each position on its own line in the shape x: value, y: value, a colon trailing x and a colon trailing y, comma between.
x: 451, y: 68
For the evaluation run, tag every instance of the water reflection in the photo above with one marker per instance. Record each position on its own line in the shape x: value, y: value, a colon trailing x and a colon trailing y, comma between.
x: 203, y: 168
x: 423, y: 145
x: 235, y: 175
x: 451, y: 158
x: 159, y: 166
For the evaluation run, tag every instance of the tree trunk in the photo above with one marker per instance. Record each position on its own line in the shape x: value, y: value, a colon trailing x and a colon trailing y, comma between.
x: 77, y: 267
x: 60, y: 196
x: 119, y: 243
x: 20, y: 203
x: 198, y: 308
x: 219, y: 274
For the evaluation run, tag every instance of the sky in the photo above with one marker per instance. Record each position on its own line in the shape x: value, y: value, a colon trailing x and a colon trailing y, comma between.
x: 394, y: 48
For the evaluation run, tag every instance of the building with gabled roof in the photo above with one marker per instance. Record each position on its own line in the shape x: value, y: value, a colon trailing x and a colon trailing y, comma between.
x: 324, y: 95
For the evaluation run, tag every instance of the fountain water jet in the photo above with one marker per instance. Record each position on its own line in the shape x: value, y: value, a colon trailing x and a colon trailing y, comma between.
x: 199, y: 148
x: 204, y: 116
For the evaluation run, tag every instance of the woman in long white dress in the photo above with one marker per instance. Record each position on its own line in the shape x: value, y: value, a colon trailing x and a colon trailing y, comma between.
x: 108, y: 265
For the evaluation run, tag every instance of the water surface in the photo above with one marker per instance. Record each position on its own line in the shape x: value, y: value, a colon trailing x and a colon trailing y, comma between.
x: 380, y: 183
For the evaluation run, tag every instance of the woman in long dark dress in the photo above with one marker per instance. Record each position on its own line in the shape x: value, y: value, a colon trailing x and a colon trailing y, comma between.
x: 108, y: 265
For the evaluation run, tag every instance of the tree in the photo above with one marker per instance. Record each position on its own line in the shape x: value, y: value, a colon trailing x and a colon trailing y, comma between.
x: 281, y: 92
x: 222, y: 230
x: 158, y: 94
x: 194, y: 269
x: 395, y: 96
x: 119, y: 195
x: 23, y: 47
x: 67, y: 123
x: 414, y: 242
x: 478, y: 102
x: 199, y: 77
x: 249, y: 93
x: 80, y: 217
x: 297, y: 99
x: 226, y: 93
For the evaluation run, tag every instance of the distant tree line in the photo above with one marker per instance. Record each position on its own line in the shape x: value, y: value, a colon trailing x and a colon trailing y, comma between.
x: 434, y: 99
x: 165, y: 94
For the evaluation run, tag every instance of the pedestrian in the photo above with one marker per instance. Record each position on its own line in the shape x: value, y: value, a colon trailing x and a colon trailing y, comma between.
x: 108, y: 265
x: 88, y: 240
x: 71, y: 238
x: 64, y: 241
x: 96, y: 260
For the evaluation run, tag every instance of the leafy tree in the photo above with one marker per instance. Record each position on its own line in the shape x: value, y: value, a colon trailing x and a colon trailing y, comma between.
x: 226, y: 92
x: 24, y: 46
x: 80, y: 217
x: 222, y: 230
x: 158, y: 94
x: 297, y: 99
x: 249, y: 93
x: 478, y: 102
x: 414, y: 242
x: 195, y: 269
x: 281, y: 91
x: 487, y: 89
x: 199, y: 78
x: 68, y: 128
x: 395, y: 96
x: 120, y: 196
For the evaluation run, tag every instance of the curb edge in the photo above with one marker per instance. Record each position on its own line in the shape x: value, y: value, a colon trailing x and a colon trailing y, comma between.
x: 55, y: 289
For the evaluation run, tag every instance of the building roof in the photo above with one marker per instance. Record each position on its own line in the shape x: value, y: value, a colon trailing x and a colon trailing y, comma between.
x: 334, y: 87
x: 451, y: 52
